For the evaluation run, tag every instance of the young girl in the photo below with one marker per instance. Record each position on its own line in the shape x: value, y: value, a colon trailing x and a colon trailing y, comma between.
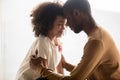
x: 48, y: 24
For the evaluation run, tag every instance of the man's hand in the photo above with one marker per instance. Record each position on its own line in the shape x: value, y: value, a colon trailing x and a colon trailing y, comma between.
x: 36, y: 63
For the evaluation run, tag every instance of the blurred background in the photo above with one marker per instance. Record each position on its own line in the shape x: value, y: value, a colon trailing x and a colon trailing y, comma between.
x: 16, y: 34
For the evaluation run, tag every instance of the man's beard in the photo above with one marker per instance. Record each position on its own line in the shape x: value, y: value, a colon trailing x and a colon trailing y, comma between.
x: 78, y: 28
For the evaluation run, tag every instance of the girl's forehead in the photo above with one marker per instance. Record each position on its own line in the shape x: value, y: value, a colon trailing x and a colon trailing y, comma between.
x: 60, y: 19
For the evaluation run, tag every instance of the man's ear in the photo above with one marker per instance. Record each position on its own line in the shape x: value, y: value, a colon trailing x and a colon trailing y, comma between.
x: 76, y: 13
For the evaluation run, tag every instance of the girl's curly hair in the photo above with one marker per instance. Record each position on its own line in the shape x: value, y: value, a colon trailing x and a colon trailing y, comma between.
x: 44, y: 16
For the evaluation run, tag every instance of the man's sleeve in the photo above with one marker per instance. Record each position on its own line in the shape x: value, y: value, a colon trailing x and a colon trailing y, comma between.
x: 93, y: 52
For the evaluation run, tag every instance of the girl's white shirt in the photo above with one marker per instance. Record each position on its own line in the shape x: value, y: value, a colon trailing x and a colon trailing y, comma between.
x: 47, y: 51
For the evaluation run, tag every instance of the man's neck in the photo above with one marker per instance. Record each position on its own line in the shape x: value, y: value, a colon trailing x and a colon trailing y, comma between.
x: 89, y: 29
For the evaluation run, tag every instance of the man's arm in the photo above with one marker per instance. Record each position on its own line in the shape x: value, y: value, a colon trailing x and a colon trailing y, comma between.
x: 93, y: 53
x: 37, y: 61
x: 43, y: 71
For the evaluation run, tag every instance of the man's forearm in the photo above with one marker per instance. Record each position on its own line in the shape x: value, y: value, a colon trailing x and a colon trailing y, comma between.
x: 69, y: 67
x: 50, y: 75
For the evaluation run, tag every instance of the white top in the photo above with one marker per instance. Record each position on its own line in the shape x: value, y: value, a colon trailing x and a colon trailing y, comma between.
x: 46, y: 50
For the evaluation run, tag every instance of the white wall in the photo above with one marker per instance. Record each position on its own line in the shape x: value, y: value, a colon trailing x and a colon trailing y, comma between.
x: 17, y: 37
x: 1, y: 43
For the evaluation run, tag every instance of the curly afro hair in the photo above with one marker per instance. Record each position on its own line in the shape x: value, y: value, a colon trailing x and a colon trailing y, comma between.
x: 44, y: 16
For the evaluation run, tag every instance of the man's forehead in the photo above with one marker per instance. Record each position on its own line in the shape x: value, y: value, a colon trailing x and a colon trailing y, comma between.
x: 67, y: 15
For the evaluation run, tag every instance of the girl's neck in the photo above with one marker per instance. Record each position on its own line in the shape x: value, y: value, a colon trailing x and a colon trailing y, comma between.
x: 52, y: 39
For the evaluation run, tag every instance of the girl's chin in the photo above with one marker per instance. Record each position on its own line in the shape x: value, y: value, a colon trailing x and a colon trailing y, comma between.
x: 59, y: 35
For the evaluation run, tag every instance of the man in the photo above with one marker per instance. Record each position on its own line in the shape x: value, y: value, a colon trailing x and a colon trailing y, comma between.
x: 101, y: 58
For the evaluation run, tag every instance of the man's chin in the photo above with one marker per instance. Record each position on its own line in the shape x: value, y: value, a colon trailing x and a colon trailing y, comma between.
x: 77, y: 31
